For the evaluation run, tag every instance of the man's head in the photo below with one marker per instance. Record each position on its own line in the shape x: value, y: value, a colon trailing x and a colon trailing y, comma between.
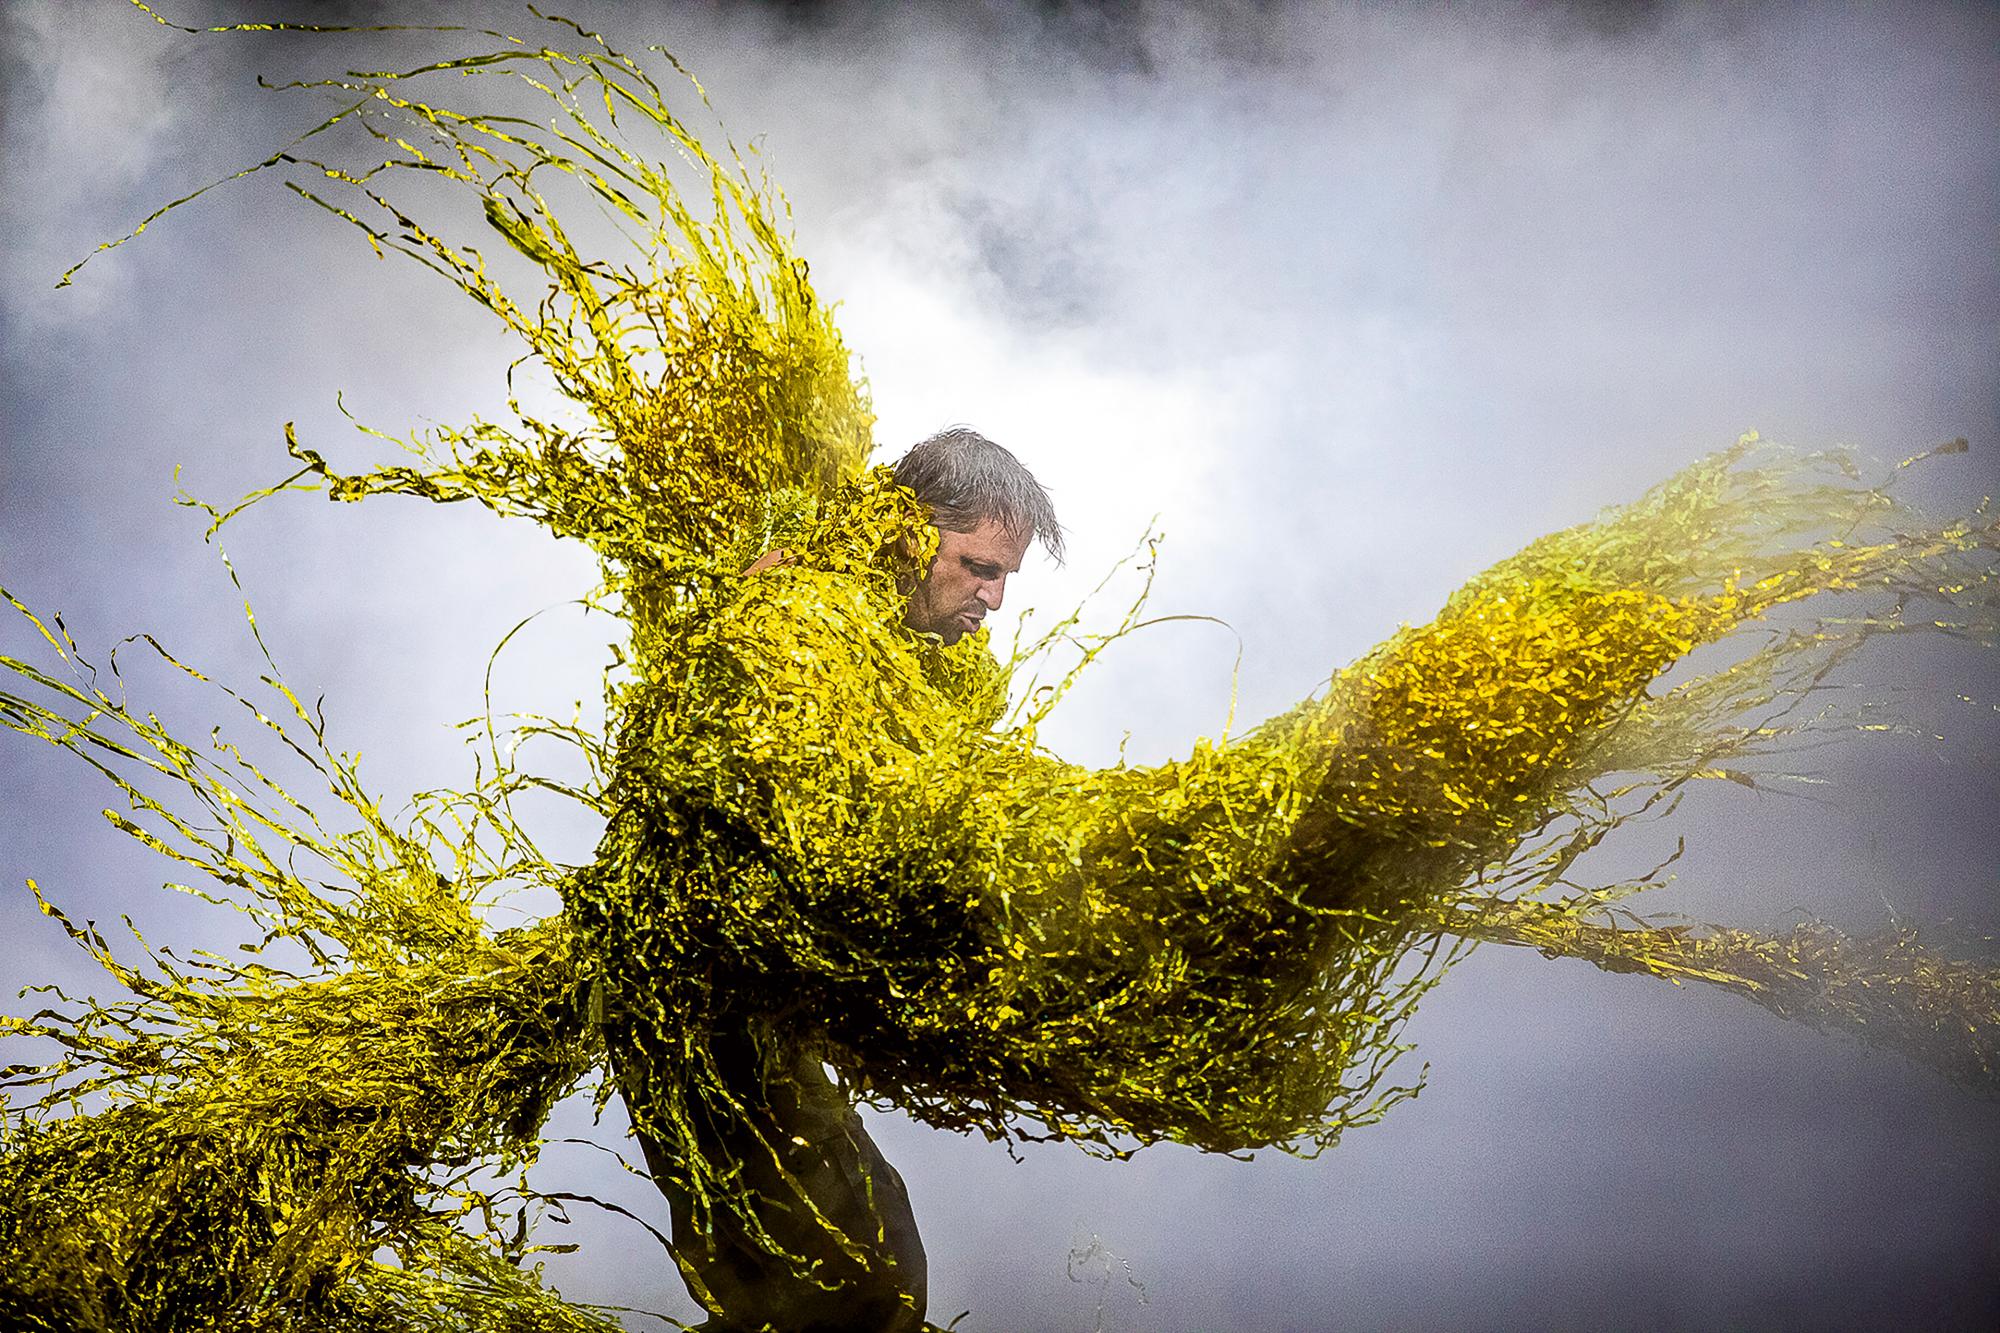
x: 988, y: 510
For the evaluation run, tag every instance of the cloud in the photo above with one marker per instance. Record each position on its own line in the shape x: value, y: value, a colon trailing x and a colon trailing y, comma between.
x: 1356, y: 299
x: 86, y: 118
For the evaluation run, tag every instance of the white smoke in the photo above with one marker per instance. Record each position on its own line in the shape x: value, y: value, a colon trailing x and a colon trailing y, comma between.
x: 1355, y: 299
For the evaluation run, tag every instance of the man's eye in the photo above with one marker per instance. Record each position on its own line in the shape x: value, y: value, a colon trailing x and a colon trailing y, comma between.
x: 984, y: 571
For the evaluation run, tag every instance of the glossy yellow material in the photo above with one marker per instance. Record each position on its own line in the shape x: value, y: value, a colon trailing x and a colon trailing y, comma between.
x: 839, y: 833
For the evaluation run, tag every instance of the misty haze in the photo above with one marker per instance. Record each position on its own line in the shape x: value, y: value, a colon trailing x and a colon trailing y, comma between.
x: 1346, y: 301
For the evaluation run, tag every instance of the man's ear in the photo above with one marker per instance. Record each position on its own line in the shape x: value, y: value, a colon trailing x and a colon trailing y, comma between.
x: 900, y: 554
x: 906, y: 552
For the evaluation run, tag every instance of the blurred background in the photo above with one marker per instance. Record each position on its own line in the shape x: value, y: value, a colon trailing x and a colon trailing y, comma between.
x: 1348, y: 301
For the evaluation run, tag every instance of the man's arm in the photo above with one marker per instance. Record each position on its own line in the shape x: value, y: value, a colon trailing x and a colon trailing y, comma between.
x: 769, y: 560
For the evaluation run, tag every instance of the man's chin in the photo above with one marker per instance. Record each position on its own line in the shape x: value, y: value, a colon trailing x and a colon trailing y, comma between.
x: 951, y: 631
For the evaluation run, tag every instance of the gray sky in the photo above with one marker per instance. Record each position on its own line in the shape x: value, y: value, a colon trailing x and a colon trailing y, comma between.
x: 1355, y: 301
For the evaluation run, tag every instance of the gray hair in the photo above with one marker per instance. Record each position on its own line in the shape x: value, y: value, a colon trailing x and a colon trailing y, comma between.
x: 966, y: 479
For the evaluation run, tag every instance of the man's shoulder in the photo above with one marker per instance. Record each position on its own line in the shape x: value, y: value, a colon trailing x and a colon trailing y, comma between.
x: 818, y: 602
x: 802, y: 628
x: 970, y: 676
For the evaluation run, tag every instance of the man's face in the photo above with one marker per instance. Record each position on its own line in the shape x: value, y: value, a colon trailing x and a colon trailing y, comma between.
x: 967, y: 580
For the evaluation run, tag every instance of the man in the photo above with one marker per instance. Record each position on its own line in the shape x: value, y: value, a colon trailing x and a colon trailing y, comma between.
x: 838, y: 1248
x: 988, y: 509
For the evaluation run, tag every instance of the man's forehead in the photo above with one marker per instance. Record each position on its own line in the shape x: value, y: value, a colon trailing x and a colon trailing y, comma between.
x: 990, y: 541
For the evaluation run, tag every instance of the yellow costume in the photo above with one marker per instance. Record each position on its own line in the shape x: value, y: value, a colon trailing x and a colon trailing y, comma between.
x: 827, y: 840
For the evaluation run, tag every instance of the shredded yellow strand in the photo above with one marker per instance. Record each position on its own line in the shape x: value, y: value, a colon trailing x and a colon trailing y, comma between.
x: 831, y: 832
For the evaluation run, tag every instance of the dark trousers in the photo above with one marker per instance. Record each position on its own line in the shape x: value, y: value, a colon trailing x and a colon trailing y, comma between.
x: 797, y: 1125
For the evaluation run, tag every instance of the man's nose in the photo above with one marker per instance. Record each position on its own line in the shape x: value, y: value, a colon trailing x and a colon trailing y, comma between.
x: 990, y: 593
